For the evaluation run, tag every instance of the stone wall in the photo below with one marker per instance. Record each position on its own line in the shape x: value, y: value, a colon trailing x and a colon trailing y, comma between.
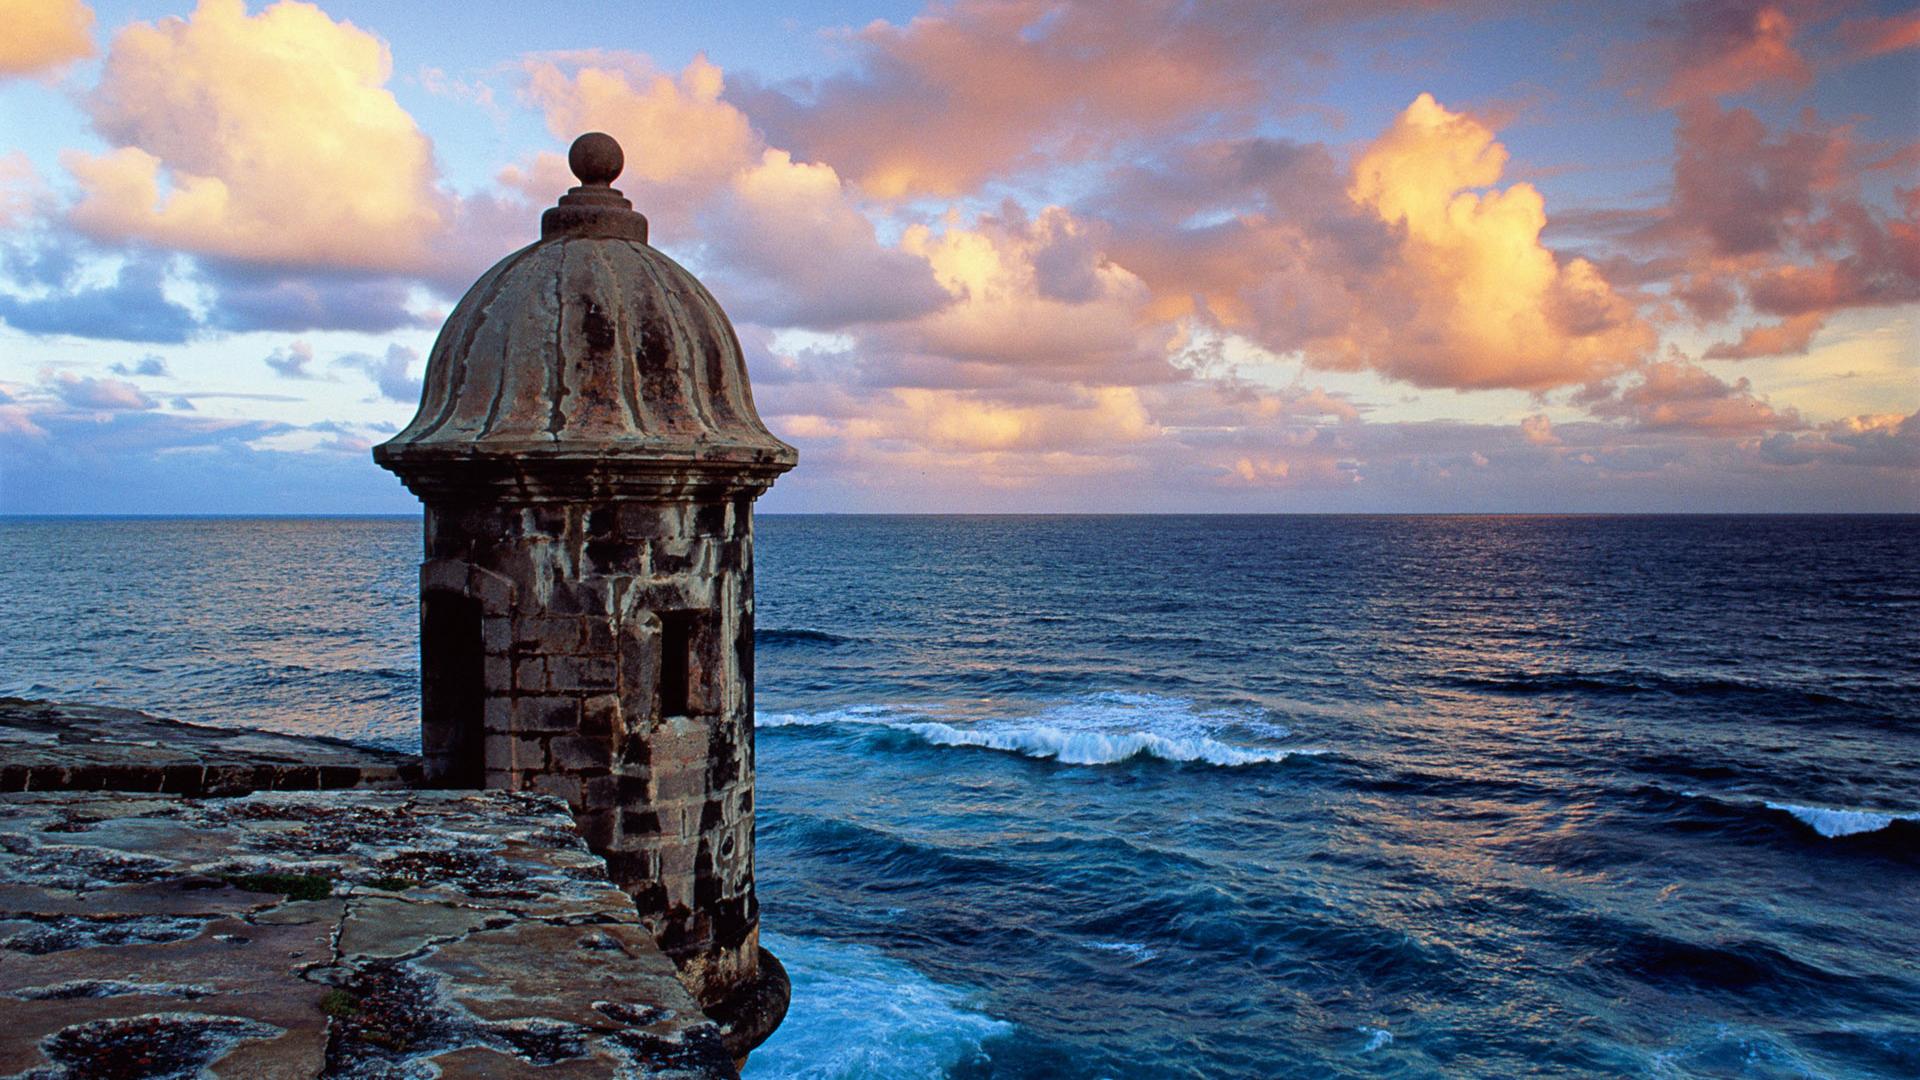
x: 609, y: 662
x: 46, y: 746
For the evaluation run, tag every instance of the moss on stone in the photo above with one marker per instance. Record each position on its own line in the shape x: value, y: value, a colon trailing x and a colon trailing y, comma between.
x: 339, y: 1004
x: 293, y: 886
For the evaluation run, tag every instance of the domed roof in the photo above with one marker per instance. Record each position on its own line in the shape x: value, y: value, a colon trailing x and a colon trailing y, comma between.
x: 591, y: 352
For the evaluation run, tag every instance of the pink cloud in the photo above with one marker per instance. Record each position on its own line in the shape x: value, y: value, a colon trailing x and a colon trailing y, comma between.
x: 1743, y: 187
x: 107, y: 395
x: 1722, y: 47
x: 981, y: 88
x: 1879, y: 36
x: 1775, y: 220
x: 1677, y: 396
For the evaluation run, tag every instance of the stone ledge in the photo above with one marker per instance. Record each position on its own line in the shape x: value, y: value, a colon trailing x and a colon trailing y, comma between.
x: 460, y: 934
x: 57, y: 746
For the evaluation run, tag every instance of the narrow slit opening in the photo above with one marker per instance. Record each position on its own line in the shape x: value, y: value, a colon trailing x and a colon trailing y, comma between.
x: 676, y: 668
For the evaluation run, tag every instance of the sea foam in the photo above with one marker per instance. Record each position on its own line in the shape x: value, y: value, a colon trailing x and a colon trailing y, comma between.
x: 1832, y: 823
x: 858, y: 1013
x: 1094, y: 729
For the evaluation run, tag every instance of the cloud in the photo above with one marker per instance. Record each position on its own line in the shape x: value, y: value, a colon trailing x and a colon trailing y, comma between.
x: 388, y: 372
x: 44, y: 35
x: 1677, y: 396
x: 1004, y: 322
x: 21, y: 188
x: 1409, y: 261
x: 978, y: 89
x: 682, y: 142
x: 789, y: 245
x: 1480, y: 303
x: 1539, y: 430
x: 1720, y: 47
x: 792, y: 250
x: 264, y: 138
x: 1744, y: 188
x: 1879, y: 36
x: 1887, y: 441
x: 1777, y: 219
x: 253, y: 298
x: 1789, y: 336
x: 293, y: 361
x: 151, y: 364
x: 134, y: 307
x: 109, y: 395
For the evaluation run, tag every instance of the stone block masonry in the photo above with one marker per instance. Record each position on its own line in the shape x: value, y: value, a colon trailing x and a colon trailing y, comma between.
x: 614, y: 671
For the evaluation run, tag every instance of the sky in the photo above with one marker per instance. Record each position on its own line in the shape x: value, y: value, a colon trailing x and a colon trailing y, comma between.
x: 998, y: 255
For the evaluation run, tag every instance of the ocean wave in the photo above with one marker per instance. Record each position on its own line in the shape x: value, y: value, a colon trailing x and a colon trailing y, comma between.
x: 1831, y: 823
x: 1095, y: 748
x: 1106, y: 728
x: 766, y: 636
x: 1628, y: 681
x: 858, y: 1012
x: 1828, y: 823
x: 1132, y: 950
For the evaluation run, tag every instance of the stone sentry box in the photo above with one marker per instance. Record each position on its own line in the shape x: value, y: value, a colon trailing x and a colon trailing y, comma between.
x: 588, y: 453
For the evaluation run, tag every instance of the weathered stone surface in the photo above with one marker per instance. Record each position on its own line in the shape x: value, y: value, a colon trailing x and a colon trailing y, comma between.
x: 55, y: 746
x: 327, y: 934
x: 588, y: 452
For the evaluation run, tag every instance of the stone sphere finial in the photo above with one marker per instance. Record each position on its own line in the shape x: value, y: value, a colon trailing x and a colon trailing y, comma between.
x: 596, y: 159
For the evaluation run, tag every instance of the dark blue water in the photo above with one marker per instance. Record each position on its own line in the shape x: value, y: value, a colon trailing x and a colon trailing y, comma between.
x: 1085, y: 797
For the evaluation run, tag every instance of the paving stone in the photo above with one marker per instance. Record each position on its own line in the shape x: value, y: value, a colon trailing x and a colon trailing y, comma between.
x: 466, y: 932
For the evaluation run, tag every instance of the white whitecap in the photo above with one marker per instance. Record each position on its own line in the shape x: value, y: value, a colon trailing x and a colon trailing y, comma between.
x: 1376, y: 1038
x: 1133, y: 950
x: 1093, y: 747
x: 859, y: 1013
x: 1095, y: 729
x: 1830, y: 822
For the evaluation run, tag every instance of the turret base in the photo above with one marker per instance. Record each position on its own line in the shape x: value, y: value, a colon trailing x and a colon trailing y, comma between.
x: 752, y: 1012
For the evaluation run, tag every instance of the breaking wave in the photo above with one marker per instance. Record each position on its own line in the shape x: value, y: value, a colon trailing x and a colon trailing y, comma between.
x: 800, y: 636
x: 1830, y: 823
x: 858, y: 1012
x: 1095, y: 729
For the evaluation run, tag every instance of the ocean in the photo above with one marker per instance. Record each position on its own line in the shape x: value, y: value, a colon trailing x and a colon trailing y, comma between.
x: 1213, y: 796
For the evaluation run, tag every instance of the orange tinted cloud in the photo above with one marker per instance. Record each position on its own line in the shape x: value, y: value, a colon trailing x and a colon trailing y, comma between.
x: 1013, y: 307
x: 1746, y: 188
x: 1482, y: 302
x: 1410, y: 262
x: 264, y: 138
x: 1787, y: 336
x: 42, y: 35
